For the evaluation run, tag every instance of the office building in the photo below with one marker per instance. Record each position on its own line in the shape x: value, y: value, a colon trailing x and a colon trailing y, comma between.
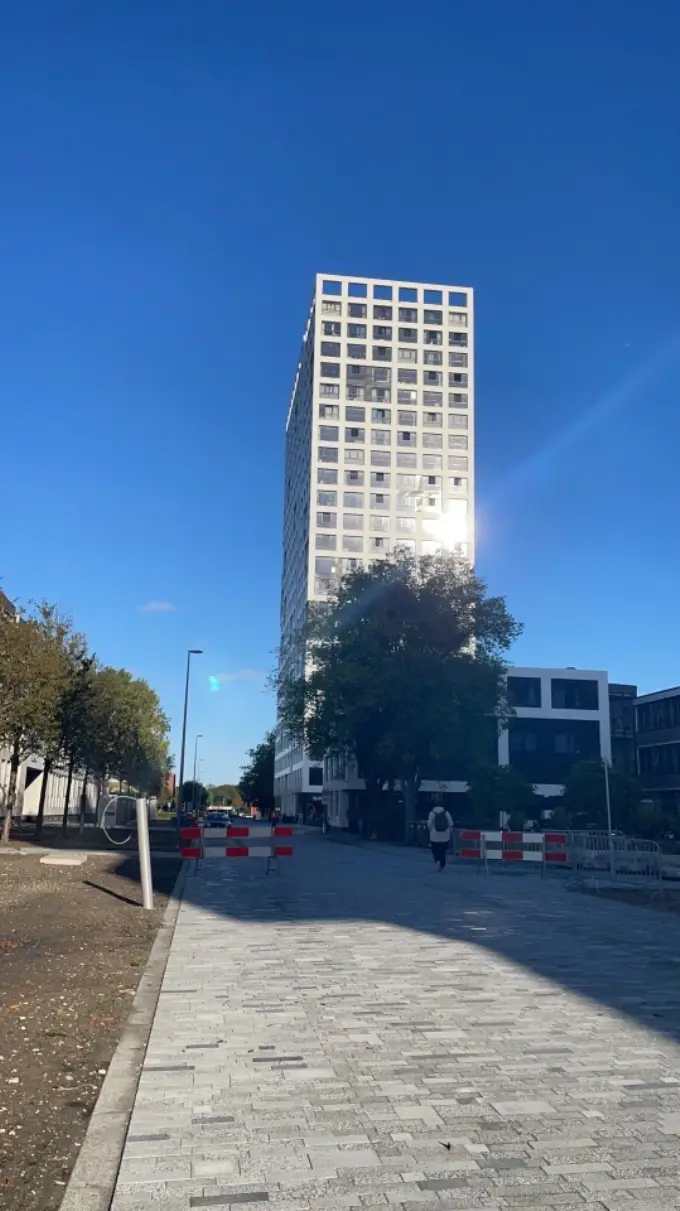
x: 379, y: 449
x: 658, y: 746
x: 622, y: 720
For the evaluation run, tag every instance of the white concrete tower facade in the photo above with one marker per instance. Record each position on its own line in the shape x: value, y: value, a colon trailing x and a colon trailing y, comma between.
x: 379, y: 447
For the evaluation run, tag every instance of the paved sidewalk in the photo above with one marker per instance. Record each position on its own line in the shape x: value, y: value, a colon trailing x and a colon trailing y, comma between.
x: 363, y: 1032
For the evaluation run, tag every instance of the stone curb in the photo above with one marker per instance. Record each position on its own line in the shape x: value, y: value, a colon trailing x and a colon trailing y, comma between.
x: 93, y: 1180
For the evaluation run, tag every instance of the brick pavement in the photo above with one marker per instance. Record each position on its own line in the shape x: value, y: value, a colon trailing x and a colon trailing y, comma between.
x: 363, y: 1032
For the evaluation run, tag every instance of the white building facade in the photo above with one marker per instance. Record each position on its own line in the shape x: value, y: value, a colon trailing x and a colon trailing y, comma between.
x: 379, y: 449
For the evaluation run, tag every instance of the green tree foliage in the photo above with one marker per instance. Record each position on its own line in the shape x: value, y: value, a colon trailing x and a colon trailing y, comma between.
x: 585, y: 801
x: 499, y: 788
x: 187, y: 794
x: 404, y: 670
x: 224, y: 795
x: 257, y: 778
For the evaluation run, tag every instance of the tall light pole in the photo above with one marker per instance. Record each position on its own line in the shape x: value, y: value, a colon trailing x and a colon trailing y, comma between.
x: 190, y: 653
x: 193, y: 786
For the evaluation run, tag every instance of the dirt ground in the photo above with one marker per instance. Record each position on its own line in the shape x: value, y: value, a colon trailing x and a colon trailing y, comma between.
x: 73, y: 944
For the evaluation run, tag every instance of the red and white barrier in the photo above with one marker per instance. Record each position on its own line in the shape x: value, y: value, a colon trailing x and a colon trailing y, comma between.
x: 500, y: 846
x: 254, y: 841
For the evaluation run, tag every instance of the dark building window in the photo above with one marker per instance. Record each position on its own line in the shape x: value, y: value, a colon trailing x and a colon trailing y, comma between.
x: 524, y: 691
x: 574, y: 695
x: 659, y: 715
x: 660, y: 759
x: 544, y: 750
x: 316, y: 775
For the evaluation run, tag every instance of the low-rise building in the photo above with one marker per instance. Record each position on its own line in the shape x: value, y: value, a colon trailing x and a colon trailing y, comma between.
x: 657, y: 721
x: 622, y: 723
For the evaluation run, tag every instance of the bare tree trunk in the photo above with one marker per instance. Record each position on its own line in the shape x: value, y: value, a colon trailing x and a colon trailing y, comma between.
x: 11, y: 794
x: 67, y: 802
x: 43, y: 794
x: 83, y: 804
x: 409, y: 789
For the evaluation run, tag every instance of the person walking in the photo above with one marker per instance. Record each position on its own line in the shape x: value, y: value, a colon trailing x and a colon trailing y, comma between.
x: 440, y: 824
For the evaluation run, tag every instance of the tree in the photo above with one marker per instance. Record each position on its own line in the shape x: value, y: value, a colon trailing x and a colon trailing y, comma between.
x: 500, y: 788
x: 257, y: 777
x: 187, y: 794
x: 585, y: 800
x: 402, y: 670
x: 224, y: 795
x: 31, y: 683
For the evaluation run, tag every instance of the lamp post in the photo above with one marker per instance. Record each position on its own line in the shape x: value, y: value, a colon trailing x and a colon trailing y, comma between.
x: 612, y: 861
x: 190, y: 653
x: 193, y: 785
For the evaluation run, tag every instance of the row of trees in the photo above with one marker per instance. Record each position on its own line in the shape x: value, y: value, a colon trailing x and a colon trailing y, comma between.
x: 256, y: 786
x: 58, y: 702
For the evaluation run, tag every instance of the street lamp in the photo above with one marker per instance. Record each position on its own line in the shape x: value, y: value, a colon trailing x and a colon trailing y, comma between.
x: 190, y: 653
x: 193, y: 786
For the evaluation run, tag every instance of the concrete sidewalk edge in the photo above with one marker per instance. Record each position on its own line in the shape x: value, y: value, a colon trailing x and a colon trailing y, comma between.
x: 93, y: 1180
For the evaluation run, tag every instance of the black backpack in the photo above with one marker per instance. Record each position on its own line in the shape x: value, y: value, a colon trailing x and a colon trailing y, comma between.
x: 441, y: 822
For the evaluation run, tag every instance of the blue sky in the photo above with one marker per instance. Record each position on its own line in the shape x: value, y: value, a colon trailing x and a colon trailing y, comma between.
x: 174, y: 174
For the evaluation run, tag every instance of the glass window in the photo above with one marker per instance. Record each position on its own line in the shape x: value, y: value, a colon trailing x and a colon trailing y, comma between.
x: 433, y: 317
x: 380, y: 500
x: 404, y: 396
x: 381, y: 437
x: 369, y: 374
x: 329, y: 433
x: 432, y: 462
x: 355, y: 392
x: 433, y: 398
x: 432, y: 337
x: 382, y: 332
x: 332, y: 287
x: 433, y: 419
x: 354, y: 413
x: 358, y: 290
x: 325, y: 565
x: 380, y: 523
x: 379, y: 395
x: 433, y: 296
x: 329, y: 389
x: 378, y: 544
x: 406, y: 437
x: 407, y: 418
x: 407, y: 481
x: 325, y: 542
x: 458, y: 319
x: 406, y: 525
x: 458, y: 359
x: 325, y: 475
x: 382, y: 313
x: 458, y: 338
x: 457, y: 462
x: 331, y: 328
x: 407, y: 355
x: 408, y: 335
x: 328, y: 454
x: 458, y: 441
x: 408, y: 294
x: 354, y: 456
x: 354, y: 478
x: 382, y: 353
x: 433, y: 481
x: 352, y: 542
x: 352, y: 435
x: 351, y: 565
x: 406, y: 502
x: 356, y: 331
x: 330, y: 308
x: 458, y: 420
x: 327, y: 520
x: 358, y: 351
x: 458, y: 379
x: 408, y: 315
x: 381, y: 458
x: 329, y: 412
x: 381, y: 416
x: 324, y: 497
x: 458, y: 399
x: 353, y: 500
x: 432, y: 357
x: 407, y: 459
x: 457, y: 298
x: 380, y: 479
x: 382, y: 292
x: 433, y: 441
x: 433, y: 378
x: 330, y: 370
x: 353, y: 521
x: 407, y: 376
x: 357, y: 311
x: 457, y: 483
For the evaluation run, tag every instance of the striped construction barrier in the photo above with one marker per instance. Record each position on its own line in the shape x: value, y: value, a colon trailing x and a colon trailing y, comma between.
x: 253, y: 841
x: 506, y: 846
